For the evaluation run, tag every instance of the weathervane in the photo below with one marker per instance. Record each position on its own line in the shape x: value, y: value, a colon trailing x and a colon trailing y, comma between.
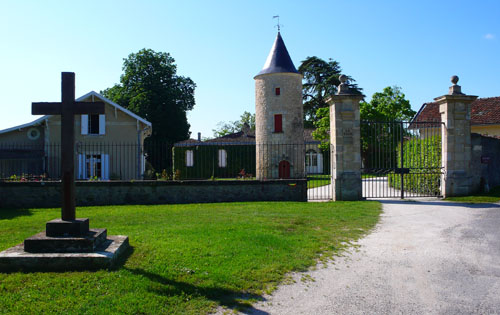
x: 277, y: 25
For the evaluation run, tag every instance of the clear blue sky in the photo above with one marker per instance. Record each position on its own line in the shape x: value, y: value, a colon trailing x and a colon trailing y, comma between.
x: 221, y: 45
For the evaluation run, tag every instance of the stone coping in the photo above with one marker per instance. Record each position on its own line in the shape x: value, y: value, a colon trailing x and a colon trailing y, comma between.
x: 204, y: 182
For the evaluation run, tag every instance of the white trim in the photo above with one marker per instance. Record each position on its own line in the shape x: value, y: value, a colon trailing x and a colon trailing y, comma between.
x: 85, y: 124
x: 189, y: 158
x: 91, y: 165
x: 81, y: 167
x: 102, y: 124
x: 222, y: 158
x: 143, y: 165
x: 110, y: 102
x: 33, y: 123
x: 104, y: 166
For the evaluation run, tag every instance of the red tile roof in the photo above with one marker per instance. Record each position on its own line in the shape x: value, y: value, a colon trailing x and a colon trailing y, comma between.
x: 484, y: 111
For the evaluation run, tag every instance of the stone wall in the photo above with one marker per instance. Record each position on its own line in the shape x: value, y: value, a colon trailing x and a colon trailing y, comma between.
x: 88, y: 193
x: 485, y: 161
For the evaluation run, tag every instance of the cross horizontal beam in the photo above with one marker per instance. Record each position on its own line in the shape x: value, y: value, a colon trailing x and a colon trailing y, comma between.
x: 78, y: 108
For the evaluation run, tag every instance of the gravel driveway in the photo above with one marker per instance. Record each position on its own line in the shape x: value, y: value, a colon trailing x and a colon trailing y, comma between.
x: 427, y: 257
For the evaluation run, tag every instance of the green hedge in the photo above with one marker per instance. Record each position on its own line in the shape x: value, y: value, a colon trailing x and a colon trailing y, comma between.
x: 423, y: 158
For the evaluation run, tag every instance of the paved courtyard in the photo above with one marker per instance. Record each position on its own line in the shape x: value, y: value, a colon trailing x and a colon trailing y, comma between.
x: 426, y: 257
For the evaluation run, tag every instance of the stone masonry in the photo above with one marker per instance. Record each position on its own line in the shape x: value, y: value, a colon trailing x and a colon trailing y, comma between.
x: 278, y: 91
x: 287, y: 145
x: 345, y: 143
x: 25, y: 195
x: 455, y: 108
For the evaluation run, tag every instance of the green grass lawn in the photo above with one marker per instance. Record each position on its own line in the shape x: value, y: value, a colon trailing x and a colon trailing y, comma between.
x: 185, y: 258
x: 314, y: 181
x: 492, y: 196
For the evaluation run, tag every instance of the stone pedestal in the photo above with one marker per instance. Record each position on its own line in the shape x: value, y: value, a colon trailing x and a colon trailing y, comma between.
x: 65, y: 245
x: 455, y: 108
x: 59, y: 227
x: 87, y: 243
x: 345, y: 144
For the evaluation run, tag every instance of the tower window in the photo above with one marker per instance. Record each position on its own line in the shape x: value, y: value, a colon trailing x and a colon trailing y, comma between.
x: 277, y: 91
x: 278, y: 123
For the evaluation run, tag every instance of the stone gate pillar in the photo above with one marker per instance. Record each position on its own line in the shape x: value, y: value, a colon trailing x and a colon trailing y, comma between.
x: 455, y: 108
x: 345, y: 143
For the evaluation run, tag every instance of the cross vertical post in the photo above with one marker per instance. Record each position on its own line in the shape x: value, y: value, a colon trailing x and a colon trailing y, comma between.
x: 67, y: 243
x: 67, y: 108
x: 67, y: 146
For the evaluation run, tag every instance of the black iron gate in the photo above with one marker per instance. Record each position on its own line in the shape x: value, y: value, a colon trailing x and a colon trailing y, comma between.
x: 400, y: 159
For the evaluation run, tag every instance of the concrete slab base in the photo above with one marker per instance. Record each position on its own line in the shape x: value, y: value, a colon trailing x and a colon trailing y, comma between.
x: 105, y: 256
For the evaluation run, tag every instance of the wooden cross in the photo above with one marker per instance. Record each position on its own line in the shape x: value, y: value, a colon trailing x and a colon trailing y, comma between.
x: 67, y: 108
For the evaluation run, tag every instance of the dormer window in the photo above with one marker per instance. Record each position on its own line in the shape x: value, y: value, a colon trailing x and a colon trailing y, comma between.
x: 277, y: 91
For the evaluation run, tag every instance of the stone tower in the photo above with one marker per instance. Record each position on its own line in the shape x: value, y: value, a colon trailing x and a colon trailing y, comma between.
x: 279, y: 128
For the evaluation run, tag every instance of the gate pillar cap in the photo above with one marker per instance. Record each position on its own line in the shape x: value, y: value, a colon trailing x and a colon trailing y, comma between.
x: 455, y: 93
x: 344, y: 97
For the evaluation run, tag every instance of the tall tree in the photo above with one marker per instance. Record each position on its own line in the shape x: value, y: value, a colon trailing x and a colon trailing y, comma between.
x: 151, y: 88
x: 377, y: 139
x: 225, y: 128
x: 321, y: 79
x: 388, y: 105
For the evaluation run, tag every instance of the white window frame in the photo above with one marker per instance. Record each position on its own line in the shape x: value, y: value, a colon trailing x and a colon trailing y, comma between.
x: 222, y: 158
x: 84, y: 159
x: 85, y: 125
x: 312, y: 158
x: 189, y: 158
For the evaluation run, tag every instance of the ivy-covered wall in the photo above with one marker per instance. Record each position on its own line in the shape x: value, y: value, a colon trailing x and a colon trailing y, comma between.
x: 240, y: 162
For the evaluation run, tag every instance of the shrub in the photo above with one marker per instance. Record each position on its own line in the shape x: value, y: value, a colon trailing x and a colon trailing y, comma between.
x: 423, y: 158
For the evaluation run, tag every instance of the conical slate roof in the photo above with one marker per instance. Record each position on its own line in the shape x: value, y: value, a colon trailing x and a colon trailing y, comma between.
x: 278, y: 60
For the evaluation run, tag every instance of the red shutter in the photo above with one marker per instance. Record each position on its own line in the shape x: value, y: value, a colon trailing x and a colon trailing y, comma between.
x: 278, y: 92
x: 278, y: 123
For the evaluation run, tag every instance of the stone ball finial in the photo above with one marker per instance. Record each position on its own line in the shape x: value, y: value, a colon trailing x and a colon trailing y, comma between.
x: 454, y: 79
x: 343, y: 78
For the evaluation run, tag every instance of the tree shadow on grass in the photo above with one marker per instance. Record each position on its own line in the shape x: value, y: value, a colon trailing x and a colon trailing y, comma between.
x: 7, y: 214
x: 225, y: 297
